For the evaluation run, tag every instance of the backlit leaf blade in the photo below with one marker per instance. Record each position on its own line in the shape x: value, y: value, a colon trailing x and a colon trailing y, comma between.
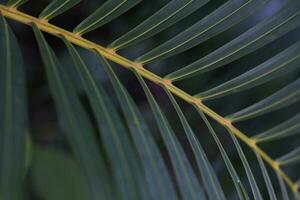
x: 252, y: 181
x: 209, y: 178
x: 13, y: 115
x: 287, y: 19
x: 171, y: 13
x: 284, y: 62
x: 186, y: 178
x: 110, y: 10
x: 16, y: 3
x: 285, y: 129
x: 282, y: 98
x: 75, y: 123
x: 290, y: 158
x: 226, y: 16
x: 57, y: 7
x: 157, y: 176
x: 113, y: 133
x: 267, y: 179
x: 233, y: 174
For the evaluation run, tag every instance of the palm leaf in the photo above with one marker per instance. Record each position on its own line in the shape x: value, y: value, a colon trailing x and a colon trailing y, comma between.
x: 78, y: 130
x: 267, y: 178
x: 104, y: 14
x: 189, y: 186
x: 161, y: 187
x: 137, y: 164
x: 226, y: 16
x: 117, y: 144
x: 234, y: 176
x: 171, y: 13
x: 209, y: 177
x: 284, y: 97
x: 263, y: 33
x: 287, y: 128
x: 13, y: 115
x: 57, y: 7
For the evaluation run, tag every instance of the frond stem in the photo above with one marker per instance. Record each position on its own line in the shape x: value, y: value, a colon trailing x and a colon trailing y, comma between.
x: 75, y: 38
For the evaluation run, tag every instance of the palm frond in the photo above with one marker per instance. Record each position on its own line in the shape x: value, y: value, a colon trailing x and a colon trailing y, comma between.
x: 132, y: 164
x: 75, y: 123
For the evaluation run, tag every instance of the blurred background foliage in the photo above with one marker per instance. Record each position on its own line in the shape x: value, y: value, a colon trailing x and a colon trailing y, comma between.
x: 53, y: 171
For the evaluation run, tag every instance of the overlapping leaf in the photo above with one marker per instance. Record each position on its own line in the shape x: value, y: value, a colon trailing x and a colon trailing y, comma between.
x: 171, y: 13
x: 282, y: 98
x: 139, y: 170
x: 57, y: 7
x: 284, y: 62
x: 186, y: 179
x: 13, y: 115
x: 284, y: 129
x: 267, y: 178
x: 104, y: 14
x: 157, y: 176
x: 209, y: 178
x: 287, y: 19
x: 75, y: 123
x: 223, y: 18
x: 290, y: 158
x: 252, y: 181
x: 234, y: 176
x: 113, y: 133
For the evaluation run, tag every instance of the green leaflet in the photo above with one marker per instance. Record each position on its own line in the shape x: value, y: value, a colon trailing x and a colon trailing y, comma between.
x: 75, y: 124
x: 267, y: 178
x: 263, y: 33
x: 209, y: 178
x: 13, y: 115
x: 16, y: 3
x: 282, y: 98
x: 252, y: 181
x: 186, y: 178
x: 55, y: 175
x: 157, y: 176
x: 285, y: 129
x: 117, y: 145
x: 290, y: 158
x: 110, y: 10
x: 57, y: 7
x: 223, y: 18
x: 234, y: 176
x: 171, y: 13
x: 284, y: 62
x: 284, y: 192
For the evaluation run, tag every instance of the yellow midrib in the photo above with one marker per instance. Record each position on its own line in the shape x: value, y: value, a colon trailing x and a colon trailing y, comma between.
x: 74, y: 38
